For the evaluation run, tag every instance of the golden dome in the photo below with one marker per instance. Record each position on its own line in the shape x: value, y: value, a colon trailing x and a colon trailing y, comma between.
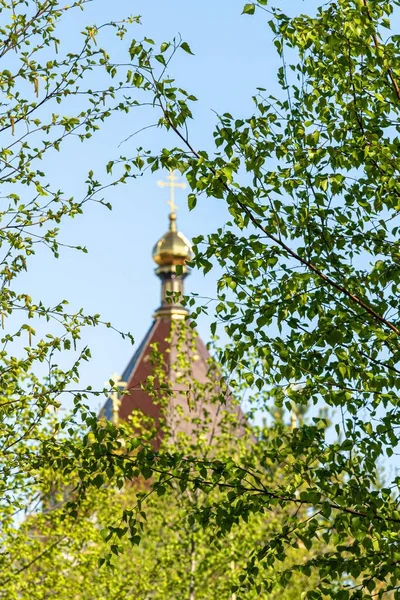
x: 173, y: 248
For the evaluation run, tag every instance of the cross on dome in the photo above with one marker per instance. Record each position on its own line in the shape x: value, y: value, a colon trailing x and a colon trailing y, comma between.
x: 172, y: 183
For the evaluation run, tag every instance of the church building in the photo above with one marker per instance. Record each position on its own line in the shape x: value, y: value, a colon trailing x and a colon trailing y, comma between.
x: 187, y: 408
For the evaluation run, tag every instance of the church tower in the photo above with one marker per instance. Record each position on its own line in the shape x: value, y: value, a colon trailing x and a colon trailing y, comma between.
x: 185, y: 411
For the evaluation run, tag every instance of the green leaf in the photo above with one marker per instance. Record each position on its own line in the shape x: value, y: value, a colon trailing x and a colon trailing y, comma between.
x: 249, y: 9
x: 185, y: 46
x: 192, y: 201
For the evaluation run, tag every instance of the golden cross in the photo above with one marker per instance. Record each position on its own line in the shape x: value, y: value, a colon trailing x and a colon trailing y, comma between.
x: 115, y: 399
x: 172, y: 183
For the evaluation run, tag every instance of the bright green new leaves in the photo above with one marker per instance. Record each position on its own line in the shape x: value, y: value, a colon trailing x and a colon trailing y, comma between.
x: 308, y: 297
x: 309, y: 294
x: 45, y: 100
x: 249, y: 8
x: 178, y: 526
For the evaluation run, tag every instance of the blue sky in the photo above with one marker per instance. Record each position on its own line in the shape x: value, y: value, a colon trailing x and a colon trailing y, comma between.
x: 233, y: 54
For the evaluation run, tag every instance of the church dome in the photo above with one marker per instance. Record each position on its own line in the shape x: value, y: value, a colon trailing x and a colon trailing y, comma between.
x: 173, y: 248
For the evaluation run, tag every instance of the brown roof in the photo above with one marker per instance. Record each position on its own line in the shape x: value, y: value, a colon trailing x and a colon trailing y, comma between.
x: 194, y: 400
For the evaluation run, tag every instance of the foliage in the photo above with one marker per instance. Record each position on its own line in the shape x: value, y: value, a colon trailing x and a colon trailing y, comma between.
x: 308, y: 295
x: 310, y: 285
x: 147, y: 532
x: 43, y: 77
